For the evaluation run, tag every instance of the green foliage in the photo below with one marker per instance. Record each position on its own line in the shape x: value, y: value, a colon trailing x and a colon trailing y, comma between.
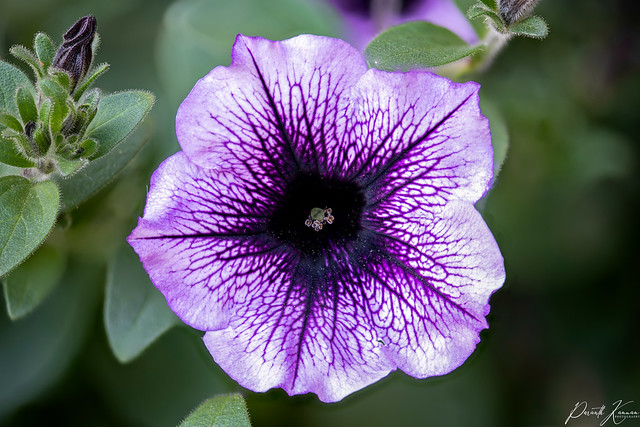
x: 98, y: 173
x: 500, y: 20
x: 417, y: 44
x: 29, y: 58
x: 29, y: 284
x: 45, y: 50
x: 28, y: 213
x: 118, y: 114
x: 533, y: 26
x: 10, y: 155
x: 97, y: 72
x: 37, y: 349
x: 68, y: 167
x: 11, y: 79
x: 11, y: 122
x: 499, y: 133
x: 491, y: 4
x: 26, y: 105
x: 135, y: 312
x: 220, y: 411
x: 480, y: 10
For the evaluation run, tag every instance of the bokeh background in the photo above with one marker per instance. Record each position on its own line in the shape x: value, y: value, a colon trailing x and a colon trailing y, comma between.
x: 564, y: 328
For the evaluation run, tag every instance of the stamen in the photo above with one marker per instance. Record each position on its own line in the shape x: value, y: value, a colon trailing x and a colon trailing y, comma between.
x: 318, y: 217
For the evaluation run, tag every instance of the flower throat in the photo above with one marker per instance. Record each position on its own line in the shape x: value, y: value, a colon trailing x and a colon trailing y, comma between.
x: 317, y: 212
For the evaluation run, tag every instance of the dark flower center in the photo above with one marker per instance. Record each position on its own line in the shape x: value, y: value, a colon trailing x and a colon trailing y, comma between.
x: 368, y: 8
x: 307, y: 193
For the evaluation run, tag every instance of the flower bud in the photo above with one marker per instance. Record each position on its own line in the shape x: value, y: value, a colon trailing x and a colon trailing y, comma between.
x: 514, y: 10
x: 74, y: 56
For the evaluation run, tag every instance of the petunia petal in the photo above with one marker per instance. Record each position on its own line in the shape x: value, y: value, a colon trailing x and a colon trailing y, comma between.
x: 309, y: 336
x: 433, y: 285
x: 420, y: 135
x: 280, y: 107
x: 199, y: 229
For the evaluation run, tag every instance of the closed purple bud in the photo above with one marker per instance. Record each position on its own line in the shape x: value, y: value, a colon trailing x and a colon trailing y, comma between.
x: 74, y: 55
x: 513, y: 10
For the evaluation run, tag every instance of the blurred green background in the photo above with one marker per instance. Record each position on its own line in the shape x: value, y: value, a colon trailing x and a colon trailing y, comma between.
x: 565, y: 327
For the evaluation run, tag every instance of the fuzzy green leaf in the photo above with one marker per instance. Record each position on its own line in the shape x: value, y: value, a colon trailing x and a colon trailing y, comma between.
x: 97, y: 72
x: 29, y: 57
x: 417, y: 44
x: 135, y: 312
x: 118, y: 115
x: 53, y: 90
x: 29, y: 284
x: 491, y: 4
x: 228, y: 410
x: 69, y: 167
x: 45, y: 50
x: 11, y: 122
x: 98, y: 173
x: 26, y: 105
x: 533, y: 26
x: 499, y: 133
x: 10, y: 155
x: 11, y: 79
x: 27, y: 213
x: 481, y: 11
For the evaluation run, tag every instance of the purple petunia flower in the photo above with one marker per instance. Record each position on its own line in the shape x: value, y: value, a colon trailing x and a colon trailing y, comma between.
x: 319, y: 223
x: 364, y: 19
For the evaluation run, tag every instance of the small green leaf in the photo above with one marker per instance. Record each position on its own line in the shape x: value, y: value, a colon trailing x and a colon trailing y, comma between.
x: 98, y: 173
x: 118, y: 114
x: 225, y: 410
x: 53, y: 90
x: 11, y: 122
x: 97, y: 72
x: 28, y: 213
x: 480, y: 11
x: 29, y: 284
x: 58, y: 96
x: 29, y: 57
x: 10, y: 155
x: 135, y: 312
x: 11, y: 79
x: 491, y: 4
x: 42, y: 140
x: 62, y: 78
x: 21, y: 142
x: 6, y: 170
x: 533, y: 26
x: 45, y: 50
x: 69, y: 167
x: 26, y: 105
x: 88, y: 146
x: 59, y: 113
x: 45, y: 112
x: 92, y: 99
x: 417, y: 44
